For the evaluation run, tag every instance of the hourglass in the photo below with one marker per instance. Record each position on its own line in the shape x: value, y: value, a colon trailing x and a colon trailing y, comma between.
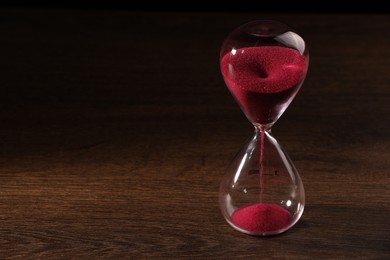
x: 263, y: 64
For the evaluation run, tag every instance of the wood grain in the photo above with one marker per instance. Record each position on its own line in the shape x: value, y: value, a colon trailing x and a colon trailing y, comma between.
x: 116, y: 129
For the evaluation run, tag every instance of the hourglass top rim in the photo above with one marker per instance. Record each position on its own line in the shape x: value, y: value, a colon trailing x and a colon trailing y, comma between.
x: 265, y: 28
x: 264, y: 33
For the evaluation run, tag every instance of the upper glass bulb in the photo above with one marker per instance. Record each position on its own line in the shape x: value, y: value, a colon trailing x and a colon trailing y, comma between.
x: 264, y: 64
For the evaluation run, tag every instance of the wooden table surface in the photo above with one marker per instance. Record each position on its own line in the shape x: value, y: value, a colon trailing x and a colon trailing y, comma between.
x: 116, y: 129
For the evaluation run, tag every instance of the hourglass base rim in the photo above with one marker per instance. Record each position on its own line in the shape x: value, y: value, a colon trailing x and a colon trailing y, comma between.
x: 279, y: 223
x: 262, y: 234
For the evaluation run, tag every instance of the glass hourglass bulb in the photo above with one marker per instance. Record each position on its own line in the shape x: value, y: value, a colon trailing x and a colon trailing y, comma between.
x: 264, y: 64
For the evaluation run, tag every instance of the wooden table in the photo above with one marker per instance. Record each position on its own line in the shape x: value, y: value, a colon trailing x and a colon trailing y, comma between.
x: 116, y: 129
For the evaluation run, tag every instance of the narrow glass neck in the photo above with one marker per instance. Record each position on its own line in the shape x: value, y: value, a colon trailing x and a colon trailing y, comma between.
x: 259, y: 128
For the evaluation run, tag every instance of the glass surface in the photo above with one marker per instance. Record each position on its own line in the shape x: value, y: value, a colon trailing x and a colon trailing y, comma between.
x: 264, y: 64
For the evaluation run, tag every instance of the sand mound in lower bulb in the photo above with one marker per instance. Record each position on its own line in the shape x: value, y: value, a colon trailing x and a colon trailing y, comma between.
x: 260, y: 218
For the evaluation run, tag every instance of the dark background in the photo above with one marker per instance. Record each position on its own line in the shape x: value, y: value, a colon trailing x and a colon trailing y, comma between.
x: 332, y: 6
